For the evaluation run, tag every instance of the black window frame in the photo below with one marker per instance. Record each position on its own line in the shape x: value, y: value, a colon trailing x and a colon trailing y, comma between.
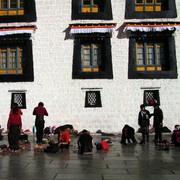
x: 105, y: 11
x: 169, y: 73
x: 130, y: 13
x: 156, y: 98
x: 23, y: 95
x: 23, y: 40
x: 97, y: 98
x: 29, y: 14
x: 106, y: 72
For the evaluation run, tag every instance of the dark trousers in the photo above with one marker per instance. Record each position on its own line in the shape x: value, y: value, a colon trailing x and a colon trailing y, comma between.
x: 158, y: 134
x: 13, y: 137
x: 145, y: 133
x: 39, y: 130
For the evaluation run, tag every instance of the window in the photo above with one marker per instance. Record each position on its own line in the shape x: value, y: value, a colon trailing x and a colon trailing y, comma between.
x: 88, y: 6
x: 11, y: 60
x: 19, y: 98
x: 152, y: 56
x: 11, y: 7
x: 92, y: 57
x: 91, y: 9
x: 151, y: 97
x: 16, y: 58
x: 149, y: 5
x: 17, y: 11
x: 144, y: 9
x: 93, y: 99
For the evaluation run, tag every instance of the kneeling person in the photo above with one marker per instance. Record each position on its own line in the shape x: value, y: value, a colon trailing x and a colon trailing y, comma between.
x: 64, y: 140
x: 85, y: 143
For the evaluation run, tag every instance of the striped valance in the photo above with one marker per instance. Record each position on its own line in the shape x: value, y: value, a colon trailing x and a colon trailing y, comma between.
x: 92, y: 28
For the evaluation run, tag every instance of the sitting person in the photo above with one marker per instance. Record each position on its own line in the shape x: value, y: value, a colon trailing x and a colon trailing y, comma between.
x: 85, y: 142
x: 176, y: 136
x: 63, y: 139
x: 128, y: 133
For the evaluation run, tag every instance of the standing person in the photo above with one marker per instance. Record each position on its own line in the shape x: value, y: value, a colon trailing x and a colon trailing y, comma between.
x: 19, y: 110
x: 40, y: 111
x: 143, y: 121
x: 158, y: 122
x: 14, y: 127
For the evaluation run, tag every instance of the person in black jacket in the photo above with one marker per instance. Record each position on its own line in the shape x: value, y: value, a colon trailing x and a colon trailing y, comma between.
x: 85, y: 142
x: 143, y: 121
x: 157, y: 123
x: 128, y: 134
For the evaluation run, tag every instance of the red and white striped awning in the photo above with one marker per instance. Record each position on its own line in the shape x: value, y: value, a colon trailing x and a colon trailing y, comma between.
x: 16, y: 30
x: 151, y: 27
x: 92, y: 28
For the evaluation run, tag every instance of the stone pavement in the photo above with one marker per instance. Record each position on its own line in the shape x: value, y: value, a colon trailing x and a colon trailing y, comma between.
x: 131, y: 162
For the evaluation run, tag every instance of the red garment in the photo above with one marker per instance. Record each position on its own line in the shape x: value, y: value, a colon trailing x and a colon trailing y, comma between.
x: 14, y: 119
x: 64, y: 137
x: 19, y: 112
x: 40, y: 111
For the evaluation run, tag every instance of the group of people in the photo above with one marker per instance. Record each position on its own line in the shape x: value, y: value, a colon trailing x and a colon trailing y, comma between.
x: 14, y: 125
x: 128, y: 133
x: 144, y: 123
x: 14, y: 128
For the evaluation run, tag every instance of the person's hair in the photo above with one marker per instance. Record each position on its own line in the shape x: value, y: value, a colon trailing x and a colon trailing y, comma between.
x: 84, y: 131
x: 41, y: 104
x: 15, y: 110
x: 142, y: 106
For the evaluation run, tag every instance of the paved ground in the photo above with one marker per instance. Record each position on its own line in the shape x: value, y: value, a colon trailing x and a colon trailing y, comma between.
x: 132, y: 162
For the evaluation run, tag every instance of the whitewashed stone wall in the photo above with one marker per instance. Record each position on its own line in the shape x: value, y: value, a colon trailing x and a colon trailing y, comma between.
x: 63, y: 96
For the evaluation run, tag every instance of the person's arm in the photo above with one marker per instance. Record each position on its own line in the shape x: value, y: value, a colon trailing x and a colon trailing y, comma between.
x: 34, y: 111
x: 20, y: 112
x: 139, y: 119
x: 45, y: 112
x: 8, y: 123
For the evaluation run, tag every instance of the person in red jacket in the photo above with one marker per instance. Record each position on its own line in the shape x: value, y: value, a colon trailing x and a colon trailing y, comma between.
x: 19, y: 110
x: 64, y: 139
x: 40, y: 111
x: 14, y: 127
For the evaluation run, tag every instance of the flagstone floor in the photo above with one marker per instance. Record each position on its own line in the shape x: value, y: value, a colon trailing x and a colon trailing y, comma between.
x: 131, y: 162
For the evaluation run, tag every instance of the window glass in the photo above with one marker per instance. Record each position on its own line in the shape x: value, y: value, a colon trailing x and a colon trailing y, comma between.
x: 13, y: 4
x: 10, y: 58
x: 150, y: 56
x: 90, y: 56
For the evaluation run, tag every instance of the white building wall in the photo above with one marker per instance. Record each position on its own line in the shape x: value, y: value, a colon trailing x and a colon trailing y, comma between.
x: 64, y: 98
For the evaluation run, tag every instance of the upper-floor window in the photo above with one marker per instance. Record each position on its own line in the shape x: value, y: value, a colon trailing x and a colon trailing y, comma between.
x: 152, y: 56
x: 16, y: 62
x: 92, y: 56
x: 88, y: 6
x: 17, y: 11
x: 11, y: 60
x: 149, y: 5
x: 11, y: 7
x: 144, y: 9
x: 91, y: 9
